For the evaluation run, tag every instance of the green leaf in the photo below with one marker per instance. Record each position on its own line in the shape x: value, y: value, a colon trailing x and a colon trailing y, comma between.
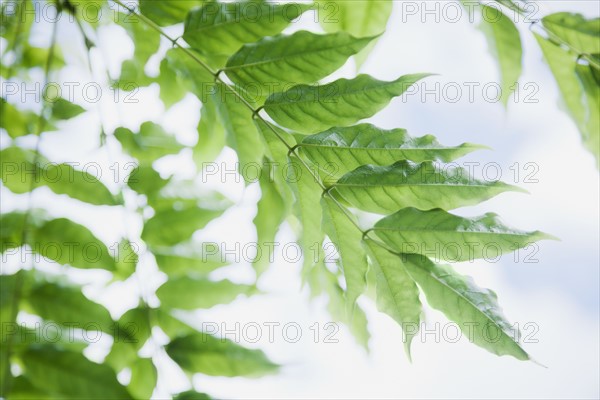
x: 308, y: 210
x: 209, y: 355
x: 211, y: 133
x: 67, y: 242
x: 311, y: 109
x: 271, y: 212
x: 397, y: 293
x: 348, y: 148
x: 171, y: 226
x: 133, y: 327
x: 63, y: 109
x: 188, y: 293
x: 143, y: 378
x: 385, y: 190
x: 242, y: 134
x: 475, y: 310
x: 279, y: 62
x: 222, y: 28
x: 578, y: 89
x: 146, y: 40
x: 20, y: 122
x: 574, y: 30
x: 191, y: 395
x: 504, y: 42
x: 66, y: 305
x: 187, y: 68
x: 359, y: 18
x: 451, y: 237
x: 352, y: 258
x: 146, y: 180
x: 22, y: 171
x: 170, y: 325
x: 151, y: 143
x: 276, y: 163
x: 22, y: 389
x: 66, y: 374
x: 177, y: 264
x: 589, y: 76
x: 168, y: 12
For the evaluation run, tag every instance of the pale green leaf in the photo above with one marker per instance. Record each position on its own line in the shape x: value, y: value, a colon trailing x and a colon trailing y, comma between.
x: 575, y: 31
x: 352, y: 258
x: 504, y: 42
x: 188, y: 293
x: 359, y: 18
x: 397, y: 293
x: 143, y: 378
x: 168, y: 12
x: 212, y: 356
x: 242, y: 134
x: 270, y: 214
x: 150, y: 143
x: 171, y: 226
x: 578, y: 89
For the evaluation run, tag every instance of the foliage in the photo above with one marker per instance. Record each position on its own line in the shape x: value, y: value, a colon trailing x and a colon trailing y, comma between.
x: 262, y: 94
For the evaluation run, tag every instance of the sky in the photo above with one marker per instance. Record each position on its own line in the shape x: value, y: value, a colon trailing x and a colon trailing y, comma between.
x: 551, y: 292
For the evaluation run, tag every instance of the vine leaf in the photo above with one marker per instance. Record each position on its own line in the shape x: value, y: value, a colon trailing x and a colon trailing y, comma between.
x: 451, y: 237
x: 475, y: 310
x: 310, y: 109
x: 385, y: 190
